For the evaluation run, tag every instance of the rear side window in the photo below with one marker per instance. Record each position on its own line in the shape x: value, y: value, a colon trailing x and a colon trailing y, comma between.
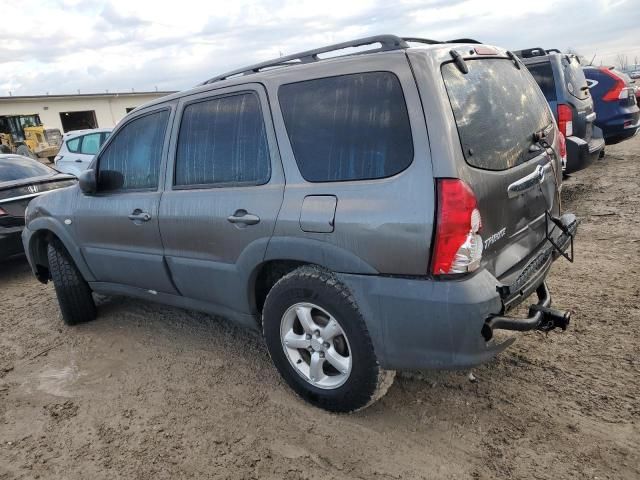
x: 497, y: 109
x: 223, y: 141
x: 349, y: 127
x: 543, y: 75
x: 132, y: 160
x: 574, y: 78
x: 74, y: 144
x: 18, y: 168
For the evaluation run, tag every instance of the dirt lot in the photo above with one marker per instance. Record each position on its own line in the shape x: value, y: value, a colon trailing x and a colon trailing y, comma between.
x: 152, y: 392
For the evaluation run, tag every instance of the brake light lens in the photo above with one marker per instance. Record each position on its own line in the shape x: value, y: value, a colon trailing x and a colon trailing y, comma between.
x: 565, y: 120
x: 3, y: 212
x: 562, y: 147
x: 619, y: 89
x: 458, y: 246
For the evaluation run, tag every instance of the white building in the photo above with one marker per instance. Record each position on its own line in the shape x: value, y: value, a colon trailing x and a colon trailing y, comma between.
x: 75, y: 112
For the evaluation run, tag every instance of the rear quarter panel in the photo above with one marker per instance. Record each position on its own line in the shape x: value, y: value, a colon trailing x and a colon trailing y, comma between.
x: 386, y: 223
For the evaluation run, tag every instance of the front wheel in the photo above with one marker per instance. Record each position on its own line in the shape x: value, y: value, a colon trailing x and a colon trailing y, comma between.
x: 74, y: 294
x: 319, y: 342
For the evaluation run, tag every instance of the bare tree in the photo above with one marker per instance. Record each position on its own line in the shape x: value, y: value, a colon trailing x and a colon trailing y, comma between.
x: 622, y: 61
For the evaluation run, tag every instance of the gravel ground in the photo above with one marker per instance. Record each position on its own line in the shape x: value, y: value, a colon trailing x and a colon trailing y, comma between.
x: 148, y: 391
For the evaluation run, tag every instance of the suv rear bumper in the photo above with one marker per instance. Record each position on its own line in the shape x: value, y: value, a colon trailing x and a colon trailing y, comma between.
x: 580, y: 154
x: 426, y: 323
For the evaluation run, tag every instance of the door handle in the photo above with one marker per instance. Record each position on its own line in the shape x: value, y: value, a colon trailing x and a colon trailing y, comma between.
x: 242, y: 217
x: 140, y: 216
x: 78, y: 160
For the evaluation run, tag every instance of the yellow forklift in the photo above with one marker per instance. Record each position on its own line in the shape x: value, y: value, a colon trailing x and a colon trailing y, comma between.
x: 25, y: 135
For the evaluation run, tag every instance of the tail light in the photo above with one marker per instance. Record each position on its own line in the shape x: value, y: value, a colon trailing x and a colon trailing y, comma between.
x: 458, y: 246
x: 3, y: 212
x: 565, y: 119
x: 562, y: 146
x: 619, y: 89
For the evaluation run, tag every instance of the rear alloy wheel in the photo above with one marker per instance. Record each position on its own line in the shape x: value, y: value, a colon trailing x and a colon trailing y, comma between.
x: 316, y: 345
x: 318, y: 341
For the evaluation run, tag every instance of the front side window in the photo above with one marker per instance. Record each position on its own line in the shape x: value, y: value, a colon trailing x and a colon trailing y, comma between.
x: 497, y: 109
x: 223, y: 141
x: 132, y: 160
x: 349, y: 127
x: 90, y: 144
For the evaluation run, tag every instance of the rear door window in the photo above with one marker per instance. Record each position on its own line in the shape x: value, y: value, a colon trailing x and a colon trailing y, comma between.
x: 574, y: 77
x: 497, y: 109
x: 348, y: 127
x: 223, y: 141
x: 543, y: 75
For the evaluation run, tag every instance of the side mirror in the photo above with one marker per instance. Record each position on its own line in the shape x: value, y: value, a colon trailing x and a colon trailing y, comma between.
x: 88, y: 182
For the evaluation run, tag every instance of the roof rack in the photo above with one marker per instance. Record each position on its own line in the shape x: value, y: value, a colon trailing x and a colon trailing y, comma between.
x: 387, y: 43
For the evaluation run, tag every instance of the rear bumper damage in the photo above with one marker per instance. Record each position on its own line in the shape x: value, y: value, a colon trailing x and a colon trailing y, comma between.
x: 580, y: 154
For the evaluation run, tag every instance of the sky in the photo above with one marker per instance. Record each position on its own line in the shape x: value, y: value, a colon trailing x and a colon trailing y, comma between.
x: 62, y: 46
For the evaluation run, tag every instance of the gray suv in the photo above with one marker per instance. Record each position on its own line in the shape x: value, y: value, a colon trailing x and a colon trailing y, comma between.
x: 368, y: 212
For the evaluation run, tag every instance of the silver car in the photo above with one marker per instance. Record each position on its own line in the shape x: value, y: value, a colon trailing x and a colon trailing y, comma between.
x: 78, y: 149
x: 367, y: 213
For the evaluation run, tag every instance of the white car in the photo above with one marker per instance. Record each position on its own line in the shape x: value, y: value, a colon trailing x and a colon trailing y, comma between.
x: 78, y: 149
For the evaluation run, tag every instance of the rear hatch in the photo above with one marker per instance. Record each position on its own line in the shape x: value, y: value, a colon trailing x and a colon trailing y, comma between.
x: 578, y: 97
x: 499, y: 111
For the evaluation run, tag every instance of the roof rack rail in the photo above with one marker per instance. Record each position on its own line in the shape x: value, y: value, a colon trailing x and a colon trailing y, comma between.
x: 553, y: 50
x: 387, y: 43
x: 463, y: 40
x: 428, y: 41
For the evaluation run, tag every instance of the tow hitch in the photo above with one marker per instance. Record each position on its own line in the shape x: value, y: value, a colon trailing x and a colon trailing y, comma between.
x: 541, y: 317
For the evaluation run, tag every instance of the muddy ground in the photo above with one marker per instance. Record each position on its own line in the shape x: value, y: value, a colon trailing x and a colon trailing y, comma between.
x: 151, y: 392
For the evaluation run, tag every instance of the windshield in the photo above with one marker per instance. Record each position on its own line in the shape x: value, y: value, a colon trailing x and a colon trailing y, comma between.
x: 18, y: 168
x: 497, y: 108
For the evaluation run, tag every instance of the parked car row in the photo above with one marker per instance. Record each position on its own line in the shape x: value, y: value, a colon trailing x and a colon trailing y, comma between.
x: 367, y: 212
x: 592, y: 106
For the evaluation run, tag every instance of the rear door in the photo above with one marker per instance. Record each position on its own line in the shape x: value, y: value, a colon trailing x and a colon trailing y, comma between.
x: 498, y: 109
x: 222, y: 194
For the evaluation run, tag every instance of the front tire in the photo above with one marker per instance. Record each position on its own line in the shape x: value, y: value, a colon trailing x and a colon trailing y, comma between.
x: 74, y: 294
x: 318, y: 341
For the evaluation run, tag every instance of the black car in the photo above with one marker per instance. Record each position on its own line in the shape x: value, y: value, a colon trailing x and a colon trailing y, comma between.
x: 22, y: 179
x: 564, y: 85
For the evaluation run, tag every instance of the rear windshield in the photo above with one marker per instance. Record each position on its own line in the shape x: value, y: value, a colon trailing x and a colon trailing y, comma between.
x: 497, y: 108
x: 543, y: 75
x: 574, y: 77
x: 18, y: 168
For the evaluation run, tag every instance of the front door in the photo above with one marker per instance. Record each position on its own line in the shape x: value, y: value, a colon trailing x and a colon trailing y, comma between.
x: 117, y: 227
x: 222, y: 195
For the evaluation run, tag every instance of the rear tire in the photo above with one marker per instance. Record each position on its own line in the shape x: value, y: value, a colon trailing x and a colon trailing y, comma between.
x: 331, y: 324
x: 74, y: 294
